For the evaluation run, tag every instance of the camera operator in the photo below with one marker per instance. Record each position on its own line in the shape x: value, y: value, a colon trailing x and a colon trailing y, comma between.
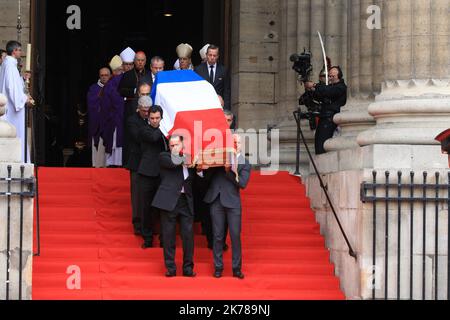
x: 332, y: 98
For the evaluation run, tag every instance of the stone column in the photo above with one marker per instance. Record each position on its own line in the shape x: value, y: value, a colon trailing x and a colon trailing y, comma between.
x: 328, y: 17
x: 254, y: 61
x: 414, y: 104
x: 363, y: 76
x: 411, y: 109
x: 294, y: 17
x: 8, y: 17
x: 10, y: 155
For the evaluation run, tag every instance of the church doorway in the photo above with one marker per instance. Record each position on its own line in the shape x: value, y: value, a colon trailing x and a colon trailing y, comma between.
x: 67, y: 60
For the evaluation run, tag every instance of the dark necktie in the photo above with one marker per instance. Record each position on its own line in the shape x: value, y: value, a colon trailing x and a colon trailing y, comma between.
x: 211, y: 75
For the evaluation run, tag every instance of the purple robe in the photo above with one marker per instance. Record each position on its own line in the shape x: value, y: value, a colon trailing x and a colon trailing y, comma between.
x: 94, y: 107
x: 112, y: 114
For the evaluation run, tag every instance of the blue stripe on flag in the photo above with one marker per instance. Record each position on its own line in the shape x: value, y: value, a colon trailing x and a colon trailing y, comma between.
x: 174, y: 77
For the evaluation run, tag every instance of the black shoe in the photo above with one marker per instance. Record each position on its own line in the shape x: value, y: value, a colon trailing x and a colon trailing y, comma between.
x: 147, y: 245
x: 171, y: 274
x: 225, y: 247
x: 238, y: 274
x: 217, y: 274
x: 191, y: 274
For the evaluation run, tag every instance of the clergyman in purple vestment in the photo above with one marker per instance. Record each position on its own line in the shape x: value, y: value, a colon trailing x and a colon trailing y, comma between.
x: 94, y: 114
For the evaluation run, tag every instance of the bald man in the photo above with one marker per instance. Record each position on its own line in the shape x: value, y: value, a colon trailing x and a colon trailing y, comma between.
x: 94, y: 114
x: 128, y: 90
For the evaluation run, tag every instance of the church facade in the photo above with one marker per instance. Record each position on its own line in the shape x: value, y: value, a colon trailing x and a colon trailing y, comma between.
x: 395, y: 56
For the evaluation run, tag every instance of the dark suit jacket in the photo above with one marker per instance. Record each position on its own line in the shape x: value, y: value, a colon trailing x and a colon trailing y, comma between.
x: 221, y: 82
x: 147, y: 79
x: 129, y: 83
x: 134, y: 124
x: 172, y: 182
x: 153, y: 143
x: 224, y: 185
x: 128, y: 89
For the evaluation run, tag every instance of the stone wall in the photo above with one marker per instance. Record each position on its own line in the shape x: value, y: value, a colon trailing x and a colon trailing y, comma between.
x: 254, y: 49
x: 343, y: 172
x: 389, y: 124
x: 10, y: 155
x: 8, y: 22
x: 27, y: 253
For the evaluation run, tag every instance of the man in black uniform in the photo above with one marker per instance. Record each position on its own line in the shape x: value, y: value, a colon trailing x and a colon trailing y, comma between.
x: 174, y: 198
x: 332, y: 98
x: 128, y: 88
x: 153, y: 142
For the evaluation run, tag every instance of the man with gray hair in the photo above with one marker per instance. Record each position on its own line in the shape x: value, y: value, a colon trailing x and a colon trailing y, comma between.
x: 134, y: 124
x: 157, y: 64
x: 229, y: 117
x: 128, y: 89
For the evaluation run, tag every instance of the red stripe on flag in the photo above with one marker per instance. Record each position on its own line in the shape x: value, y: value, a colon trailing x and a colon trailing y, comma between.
x: 204, y: 131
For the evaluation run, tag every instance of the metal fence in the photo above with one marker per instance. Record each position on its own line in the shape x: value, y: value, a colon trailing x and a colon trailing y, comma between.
x: 27, y: 190
x: 401, y: 199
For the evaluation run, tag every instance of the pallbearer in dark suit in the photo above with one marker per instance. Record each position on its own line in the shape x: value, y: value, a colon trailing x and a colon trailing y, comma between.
x: 157, y: 64
x: 174, y: 198
x: 216, y: 74
x: 201, y: 187
x: 153, y: 143
x: 128, y: 88
x: 134, y: 124
x: 225, y: 203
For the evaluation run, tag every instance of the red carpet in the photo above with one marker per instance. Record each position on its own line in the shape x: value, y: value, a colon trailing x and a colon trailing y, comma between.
x: 85, y: 222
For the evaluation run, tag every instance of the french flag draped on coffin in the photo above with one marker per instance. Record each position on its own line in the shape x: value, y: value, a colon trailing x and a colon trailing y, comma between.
x: 192, y: 109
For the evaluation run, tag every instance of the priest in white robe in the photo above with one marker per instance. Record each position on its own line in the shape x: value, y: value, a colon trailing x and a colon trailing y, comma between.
x: 13, y: 87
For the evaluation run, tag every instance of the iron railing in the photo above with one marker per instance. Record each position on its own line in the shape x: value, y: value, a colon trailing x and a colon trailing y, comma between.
x: 301, y: 136
x: 27, y: 190
x: 405, y: 199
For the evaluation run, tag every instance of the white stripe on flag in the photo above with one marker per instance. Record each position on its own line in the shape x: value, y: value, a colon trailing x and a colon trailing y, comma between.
x: 176, y: 97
